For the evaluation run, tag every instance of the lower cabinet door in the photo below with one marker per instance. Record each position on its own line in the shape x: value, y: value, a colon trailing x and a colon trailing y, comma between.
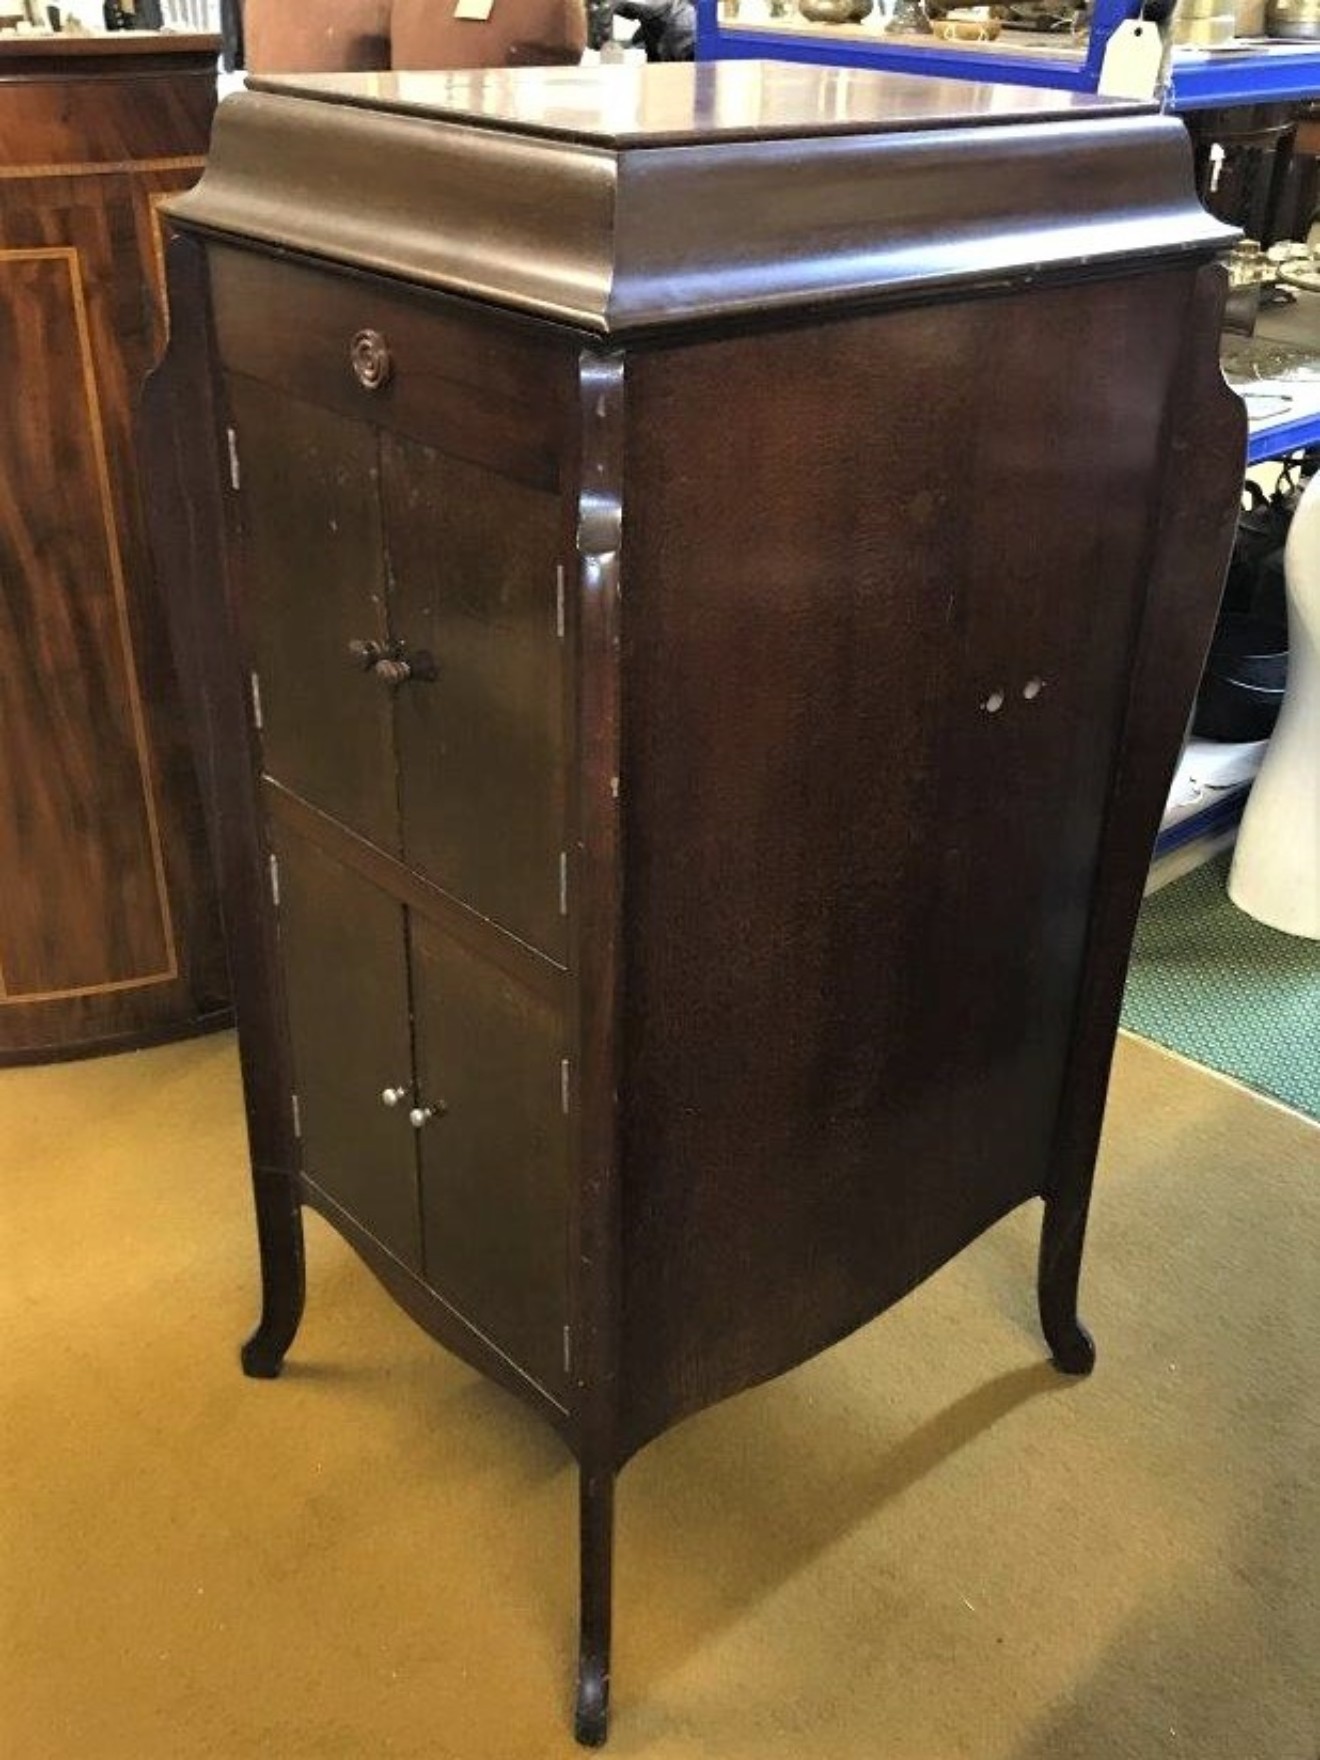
x: 494, y: 1154
x: 346, y: 976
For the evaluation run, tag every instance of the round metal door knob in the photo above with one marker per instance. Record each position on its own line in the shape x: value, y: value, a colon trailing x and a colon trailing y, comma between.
x: 392, y: 1096
x: 421, y: 1115
x: 371, y: 360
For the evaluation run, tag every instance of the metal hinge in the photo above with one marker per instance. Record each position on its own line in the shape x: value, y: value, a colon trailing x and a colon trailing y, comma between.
x: 568, y: 1351
x: 257, y: 721
x: 559, y: 601
x: 563, y: 882
x: 235, y: 474
x: 563, y: 1085
x: 275, y: 881
x: 297, y: 1117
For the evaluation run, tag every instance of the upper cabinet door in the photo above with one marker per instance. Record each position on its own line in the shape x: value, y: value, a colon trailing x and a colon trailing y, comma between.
x: 474, y: 561
x: 314, y: 592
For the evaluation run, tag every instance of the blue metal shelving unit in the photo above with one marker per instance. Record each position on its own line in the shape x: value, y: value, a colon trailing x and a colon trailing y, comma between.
x: 1198, y: 80
x: 1273, y: 439
x: 1078, y: 71
x: 1207, y: 80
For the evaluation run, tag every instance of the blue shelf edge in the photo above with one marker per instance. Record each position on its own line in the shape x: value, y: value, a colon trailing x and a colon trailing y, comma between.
x: 736, y: 45
x: 1276, y: 438
x: 1219, y: 815
x: 1196, y: 83
x: 1261, y: 76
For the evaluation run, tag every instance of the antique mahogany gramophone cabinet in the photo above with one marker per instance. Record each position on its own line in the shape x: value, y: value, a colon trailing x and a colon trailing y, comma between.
x: 679, y: 839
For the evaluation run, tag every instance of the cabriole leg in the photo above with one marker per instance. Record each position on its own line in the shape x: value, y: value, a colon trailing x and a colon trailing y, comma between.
x: 1061, y: 1238
x: 283, y: 1283
x: 596, y: 1491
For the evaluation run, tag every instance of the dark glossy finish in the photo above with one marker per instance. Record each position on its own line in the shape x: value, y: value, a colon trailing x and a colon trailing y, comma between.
x: 342, y: 947
x: 599, y: 931
x: 185, y: 467
x: 709, y: 101
x: 1191, y: 540
x: 529, y: 969
x: 494, y: 1173
x: 315, y: 556
x: 283, y: 1277
x: 853, y: 763
x: 109, y: 935
x: 871, y: 977
x: 596, y: 1517
x: 622, y: 231
x: 475, y: 581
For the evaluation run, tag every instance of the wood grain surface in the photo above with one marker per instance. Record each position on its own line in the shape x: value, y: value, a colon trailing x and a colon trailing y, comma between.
x: 859, y: 874
x: 872, y: 620
x: 111, y: 929
x: 81, y: 837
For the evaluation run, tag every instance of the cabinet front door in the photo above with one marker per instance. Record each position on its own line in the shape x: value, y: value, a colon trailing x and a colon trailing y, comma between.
x: 345, y: 971
x: 475, y: 583
x: 314, y: 603
x: 494, y: 1155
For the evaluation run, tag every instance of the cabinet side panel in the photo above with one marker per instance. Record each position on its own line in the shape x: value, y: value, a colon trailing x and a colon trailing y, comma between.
x: 881, y: 585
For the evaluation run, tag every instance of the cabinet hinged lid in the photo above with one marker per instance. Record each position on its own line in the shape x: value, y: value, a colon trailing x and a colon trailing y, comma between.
x: 627, y: 199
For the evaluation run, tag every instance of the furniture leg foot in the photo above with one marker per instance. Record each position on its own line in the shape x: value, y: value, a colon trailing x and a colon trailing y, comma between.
x: 1072, y: 1349
x: 283, y: 1280
x: 591, y: 1721
x: 1071, y: 1345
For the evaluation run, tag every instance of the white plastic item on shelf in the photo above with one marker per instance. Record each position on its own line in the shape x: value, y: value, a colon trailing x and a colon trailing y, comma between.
x: 1204, y: 806
x: 1276, y: 868
x: 1208, y: 770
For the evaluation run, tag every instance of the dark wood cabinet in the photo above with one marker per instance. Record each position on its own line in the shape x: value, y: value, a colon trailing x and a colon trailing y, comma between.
x: 109, y: 933
x: 693, y: 598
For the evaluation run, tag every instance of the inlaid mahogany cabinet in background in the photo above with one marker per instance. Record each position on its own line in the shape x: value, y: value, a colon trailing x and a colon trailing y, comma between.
x: 109, y: 925
x: 694, y: 592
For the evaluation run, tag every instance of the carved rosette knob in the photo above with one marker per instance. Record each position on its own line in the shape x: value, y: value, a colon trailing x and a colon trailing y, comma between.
x: 370, y: 357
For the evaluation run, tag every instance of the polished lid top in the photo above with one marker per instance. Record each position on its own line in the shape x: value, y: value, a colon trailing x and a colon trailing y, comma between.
x: 684, y: 102
x: 624, y: 200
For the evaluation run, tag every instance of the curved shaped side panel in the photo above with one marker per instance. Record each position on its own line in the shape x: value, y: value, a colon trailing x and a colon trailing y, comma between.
x: 897, y: 727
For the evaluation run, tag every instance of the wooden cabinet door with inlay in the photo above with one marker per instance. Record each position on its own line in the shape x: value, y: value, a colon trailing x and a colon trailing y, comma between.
x: 109, y: 934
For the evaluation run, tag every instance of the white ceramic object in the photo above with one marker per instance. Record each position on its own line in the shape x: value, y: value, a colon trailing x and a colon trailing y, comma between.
x: 1276, y: 868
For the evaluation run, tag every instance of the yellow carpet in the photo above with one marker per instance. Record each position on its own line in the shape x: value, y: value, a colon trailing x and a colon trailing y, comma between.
x: 923, y: 1546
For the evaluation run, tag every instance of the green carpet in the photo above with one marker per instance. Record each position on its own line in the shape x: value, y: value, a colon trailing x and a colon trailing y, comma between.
x: 1212, y: 983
